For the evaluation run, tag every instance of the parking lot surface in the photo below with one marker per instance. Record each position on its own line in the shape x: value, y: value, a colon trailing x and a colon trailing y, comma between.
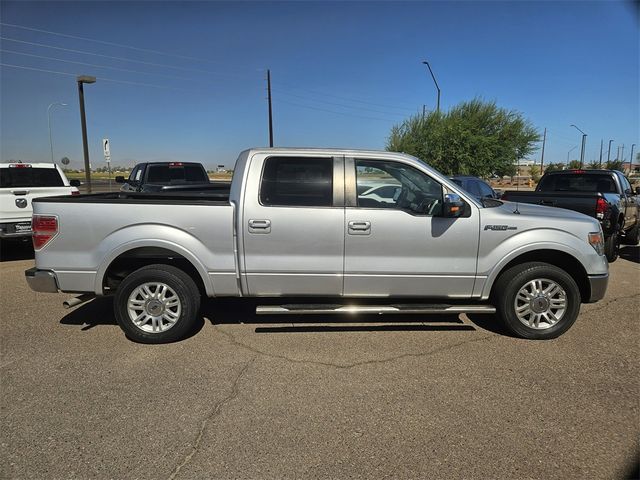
x: 247, y: 398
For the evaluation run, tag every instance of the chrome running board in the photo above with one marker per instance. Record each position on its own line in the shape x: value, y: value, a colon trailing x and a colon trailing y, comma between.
x: 312, y: 309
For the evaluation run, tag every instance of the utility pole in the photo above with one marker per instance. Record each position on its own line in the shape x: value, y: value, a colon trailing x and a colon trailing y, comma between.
x: 424, y: 110
x: 631, y: 158
x: 601, y: 145
x: 270, y: 111
x: 544, y: 141
x: 609, y: 153
x: 622, y: 154
x: 82, y: 79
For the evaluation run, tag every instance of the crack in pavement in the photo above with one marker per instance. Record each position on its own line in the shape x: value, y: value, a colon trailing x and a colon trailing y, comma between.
x: 255, y: 350
x: 214, y: 413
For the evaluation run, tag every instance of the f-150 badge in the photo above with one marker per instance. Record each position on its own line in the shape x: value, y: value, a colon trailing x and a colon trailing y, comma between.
x: 499, y: 227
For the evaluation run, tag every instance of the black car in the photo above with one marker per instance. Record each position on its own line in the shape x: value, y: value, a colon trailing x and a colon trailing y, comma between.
x: 475, y: 186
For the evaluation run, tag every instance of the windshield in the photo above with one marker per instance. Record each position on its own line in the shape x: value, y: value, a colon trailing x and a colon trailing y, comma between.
x: 28, y: 176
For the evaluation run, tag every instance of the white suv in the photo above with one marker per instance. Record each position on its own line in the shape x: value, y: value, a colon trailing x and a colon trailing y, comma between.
x: 20, y: 183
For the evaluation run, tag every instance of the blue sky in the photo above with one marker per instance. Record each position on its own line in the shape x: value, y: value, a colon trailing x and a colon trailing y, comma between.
x: 342, y: 73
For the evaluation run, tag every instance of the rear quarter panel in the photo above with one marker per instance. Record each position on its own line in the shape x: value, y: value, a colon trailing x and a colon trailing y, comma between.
x: 91, y: 235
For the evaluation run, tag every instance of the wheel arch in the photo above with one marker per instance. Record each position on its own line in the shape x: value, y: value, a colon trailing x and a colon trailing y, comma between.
x: 134, y: 255
x: 558, y: 258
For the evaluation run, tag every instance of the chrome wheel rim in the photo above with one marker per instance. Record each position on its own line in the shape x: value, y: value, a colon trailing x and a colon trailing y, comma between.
x: 540, y: 303
x: 154, y: 307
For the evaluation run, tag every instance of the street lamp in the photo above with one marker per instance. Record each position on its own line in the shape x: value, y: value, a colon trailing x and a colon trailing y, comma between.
x: 631, y: 158
x: 584, y: 141
x: 609, y: 154
x: 82, y: 79
x: 434, y: 81
x: 49, y: 124
x: 569, y: 153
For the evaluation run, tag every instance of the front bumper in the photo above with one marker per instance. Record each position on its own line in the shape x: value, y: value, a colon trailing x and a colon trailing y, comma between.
x: 41, y: 280
x: 598, y: 284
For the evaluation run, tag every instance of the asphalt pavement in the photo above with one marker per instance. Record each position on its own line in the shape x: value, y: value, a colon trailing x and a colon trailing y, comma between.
x: 249, y: 397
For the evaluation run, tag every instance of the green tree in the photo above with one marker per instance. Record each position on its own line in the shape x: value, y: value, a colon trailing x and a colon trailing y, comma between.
x: 534, y: 171
x: 554, y: 167
x: 473, y: 138
x: 614, y: 165
x: 593, y: 165
x: 574, y: 164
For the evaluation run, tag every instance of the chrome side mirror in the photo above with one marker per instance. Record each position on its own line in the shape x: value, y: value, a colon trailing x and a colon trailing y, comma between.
x: 453, y: 205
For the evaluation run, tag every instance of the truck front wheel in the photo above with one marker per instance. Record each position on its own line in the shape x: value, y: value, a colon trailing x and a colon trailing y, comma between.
x: 537, y: 301
x: 157, y: 304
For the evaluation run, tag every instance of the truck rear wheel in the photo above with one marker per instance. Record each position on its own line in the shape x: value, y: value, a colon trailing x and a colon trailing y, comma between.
x: 537, y: 301
x: 157, y: 304
x: 611, y: 247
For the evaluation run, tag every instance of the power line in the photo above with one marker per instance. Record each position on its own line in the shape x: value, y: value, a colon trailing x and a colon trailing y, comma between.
x: 349, y: 99
x: 338, y: 104
x: 104, y: 79
x: 333, y: 111
x: 111, y: 57
x: 95, y: 65
x: 66, y: 35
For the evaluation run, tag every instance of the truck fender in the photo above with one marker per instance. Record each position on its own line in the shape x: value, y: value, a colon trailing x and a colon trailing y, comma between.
x: 137, y: 236
x: 525, y: 248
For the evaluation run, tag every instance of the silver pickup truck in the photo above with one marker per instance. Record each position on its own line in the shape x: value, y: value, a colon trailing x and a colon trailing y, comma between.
x: 311, y: 222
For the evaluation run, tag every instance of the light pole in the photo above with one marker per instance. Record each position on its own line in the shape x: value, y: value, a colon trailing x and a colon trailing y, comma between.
x: 82, y: 79
x: 631, y: 158
x: 49, y: 124
x: 609, y: 153
x: 434, y: 81
x: 569, y: 153
x: 584, y: 141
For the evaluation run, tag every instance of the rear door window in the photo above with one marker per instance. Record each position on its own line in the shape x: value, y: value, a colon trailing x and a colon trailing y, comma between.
x: 178, y: 173
x: 28, y: 176
x: 297, y: 182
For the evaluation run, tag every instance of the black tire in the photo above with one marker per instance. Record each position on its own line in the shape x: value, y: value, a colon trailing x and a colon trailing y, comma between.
x: 511, y: 281
x: 611, y: 247
x: 185, y: 290
x: 632, y: 237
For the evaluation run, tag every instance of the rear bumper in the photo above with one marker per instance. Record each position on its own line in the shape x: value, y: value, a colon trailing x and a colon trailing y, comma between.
x: 598, y: 284
x: 41, y: 280
x: 9, y: 229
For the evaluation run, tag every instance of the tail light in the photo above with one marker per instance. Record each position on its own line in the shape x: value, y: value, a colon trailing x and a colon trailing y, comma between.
x: 601, y: 207
x: 44, y: 227
x: 75, y: 192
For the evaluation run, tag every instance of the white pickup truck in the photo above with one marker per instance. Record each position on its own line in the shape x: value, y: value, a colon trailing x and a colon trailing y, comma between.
x: 20, y: 183
x: 308, y: 222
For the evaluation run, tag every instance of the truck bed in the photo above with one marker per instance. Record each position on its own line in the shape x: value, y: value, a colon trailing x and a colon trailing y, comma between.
x: 200, y: 197
x: 576, y: 201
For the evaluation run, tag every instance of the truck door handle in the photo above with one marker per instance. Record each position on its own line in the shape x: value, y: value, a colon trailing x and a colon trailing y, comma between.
x: 259, y: 226
x: 360, y: 228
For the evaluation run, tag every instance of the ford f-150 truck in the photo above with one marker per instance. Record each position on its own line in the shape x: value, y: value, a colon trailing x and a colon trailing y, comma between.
x: 294, y: 224
x: 603, y: 194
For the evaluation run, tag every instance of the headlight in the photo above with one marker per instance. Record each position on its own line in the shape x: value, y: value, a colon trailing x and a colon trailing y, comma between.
x: 596, y: 240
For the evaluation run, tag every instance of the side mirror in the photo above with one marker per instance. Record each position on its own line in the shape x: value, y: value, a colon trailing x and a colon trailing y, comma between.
x: 453, y: 205
x: 74, y: 183
x: 119, y: 179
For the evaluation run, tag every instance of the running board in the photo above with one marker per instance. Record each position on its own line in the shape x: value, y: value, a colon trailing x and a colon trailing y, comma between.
x: 309, y: 309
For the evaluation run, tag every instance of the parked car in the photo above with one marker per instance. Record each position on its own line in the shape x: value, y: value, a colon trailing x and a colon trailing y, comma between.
x: 603, y: 194
x: 475, y: 186
x: 170, y: 176
x: 293, y: 225
x: 20, y: 184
